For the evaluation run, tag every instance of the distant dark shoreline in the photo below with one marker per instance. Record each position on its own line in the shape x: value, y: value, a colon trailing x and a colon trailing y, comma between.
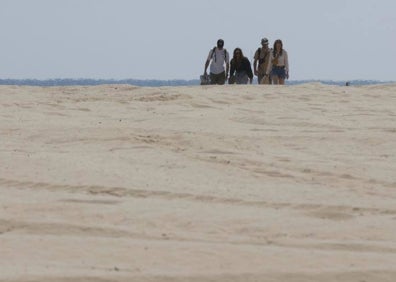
x: 157, y: 83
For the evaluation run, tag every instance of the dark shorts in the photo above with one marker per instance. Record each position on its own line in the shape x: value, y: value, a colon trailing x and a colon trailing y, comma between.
x: 279, y: 72
x: 217, y: 78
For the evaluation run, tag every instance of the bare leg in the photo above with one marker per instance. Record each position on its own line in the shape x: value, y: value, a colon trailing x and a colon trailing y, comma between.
x: 281, y: 81
x: 260, y: 78
x: 275, y: 79
x: 266, y: 80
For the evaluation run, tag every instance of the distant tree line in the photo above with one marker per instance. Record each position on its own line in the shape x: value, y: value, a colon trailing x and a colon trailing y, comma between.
x: 92, y: 82
x: 155, y: 83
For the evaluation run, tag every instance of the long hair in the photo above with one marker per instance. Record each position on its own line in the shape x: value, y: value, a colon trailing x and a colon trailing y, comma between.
x: 235, y: 60
x: 236, y: 50
x: 281, y: 44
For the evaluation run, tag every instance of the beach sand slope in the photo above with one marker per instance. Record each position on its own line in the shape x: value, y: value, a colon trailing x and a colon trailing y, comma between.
x: 232, y: 183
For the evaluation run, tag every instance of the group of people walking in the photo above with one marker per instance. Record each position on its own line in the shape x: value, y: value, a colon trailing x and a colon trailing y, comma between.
x: 270, y: 65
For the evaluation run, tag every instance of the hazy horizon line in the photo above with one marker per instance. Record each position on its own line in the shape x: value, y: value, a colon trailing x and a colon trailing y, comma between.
x: 159, y: 82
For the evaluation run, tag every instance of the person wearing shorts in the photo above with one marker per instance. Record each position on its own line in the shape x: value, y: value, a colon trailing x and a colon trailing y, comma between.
x: 278, y: 67
x: 219, y: 61
x: 261, y: 61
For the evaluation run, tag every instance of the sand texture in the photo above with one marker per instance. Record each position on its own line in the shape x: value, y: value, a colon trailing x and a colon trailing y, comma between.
x: 190, y: 184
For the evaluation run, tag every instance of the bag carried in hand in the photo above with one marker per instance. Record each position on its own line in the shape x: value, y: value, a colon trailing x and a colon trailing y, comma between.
x: 205, y: 79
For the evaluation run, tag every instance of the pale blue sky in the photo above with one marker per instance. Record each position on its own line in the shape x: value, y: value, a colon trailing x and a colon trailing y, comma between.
x: 155, y: 39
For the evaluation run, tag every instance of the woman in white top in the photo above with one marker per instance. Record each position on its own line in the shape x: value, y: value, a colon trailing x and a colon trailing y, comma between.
x: 278, y: 67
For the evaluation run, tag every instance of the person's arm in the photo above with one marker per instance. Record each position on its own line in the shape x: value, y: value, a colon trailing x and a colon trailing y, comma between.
x: 256, y: 58
x: 206, y: 66
x: 227, y: 62
x: 286, y: 64
x: 232, y: 68
x: 208, y: 61
x: 269, y: 67
x: 249, y: 70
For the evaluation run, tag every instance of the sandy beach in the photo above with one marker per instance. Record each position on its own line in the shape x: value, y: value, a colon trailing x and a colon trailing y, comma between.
x: 225, y: 184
